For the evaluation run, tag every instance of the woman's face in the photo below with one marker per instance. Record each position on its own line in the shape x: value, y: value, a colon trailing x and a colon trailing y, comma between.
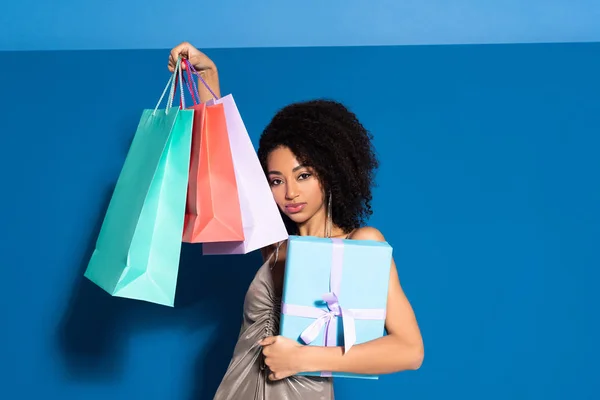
x: 296, y: 189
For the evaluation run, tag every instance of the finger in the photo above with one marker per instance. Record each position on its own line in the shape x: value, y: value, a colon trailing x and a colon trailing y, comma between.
x: 273, y: 376
x: 267, y: 341
x: 181, y: 49
x: 171, y: 64
x: 178, y: 49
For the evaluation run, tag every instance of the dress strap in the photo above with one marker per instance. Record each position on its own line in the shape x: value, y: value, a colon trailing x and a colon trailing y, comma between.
x: 276, y: 254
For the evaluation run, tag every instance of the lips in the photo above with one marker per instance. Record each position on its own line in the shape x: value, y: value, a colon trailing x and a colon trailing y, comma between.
x: 293, y: 208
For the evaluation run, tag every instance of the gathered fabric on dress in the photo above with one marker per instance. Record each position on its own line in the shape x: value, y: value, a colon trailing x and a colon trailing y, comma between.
x: 246, y: 377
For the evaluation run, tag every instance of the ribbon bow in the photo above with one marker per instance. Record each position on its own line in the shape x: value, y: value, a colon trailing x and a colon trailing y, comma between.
x: 328, y: 319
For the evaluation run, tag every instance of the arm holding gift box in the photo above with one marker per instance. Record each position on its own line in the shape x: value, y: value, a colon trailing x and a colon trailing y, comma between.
x: 401, y: 349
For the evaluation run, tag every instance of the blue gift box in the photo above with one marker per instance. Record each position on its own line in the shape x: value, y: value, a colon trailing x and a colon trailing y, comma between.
x: 335, y: 289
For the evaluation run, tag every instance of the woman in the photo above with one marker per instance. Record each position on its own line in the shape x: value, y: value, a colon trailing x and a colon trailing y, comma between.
x: 319, y: 163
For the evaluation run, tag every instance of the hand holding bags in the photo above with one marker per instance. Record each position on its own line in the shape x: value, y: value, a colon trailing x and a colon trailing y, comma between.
x: 138, y: 248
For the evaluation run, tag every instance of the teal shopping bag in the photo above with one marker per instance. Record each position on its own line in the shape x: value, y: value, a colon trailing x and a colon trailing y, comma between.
x: 138, y: 248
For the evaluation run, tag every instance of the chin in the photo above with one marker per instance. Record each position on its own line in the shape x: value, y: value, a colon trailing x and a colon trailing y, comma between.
x: 298, y: 218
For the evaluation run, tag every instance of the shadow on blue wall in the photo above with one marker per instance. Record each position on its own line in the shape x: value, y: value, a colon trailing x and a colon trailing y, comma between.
x: 95, y: 327
x: 89, y: 336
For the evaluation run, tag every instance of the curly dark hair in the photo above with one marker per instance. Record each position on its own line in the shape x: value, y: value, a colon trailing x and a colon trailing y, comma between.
x: 327, y: 136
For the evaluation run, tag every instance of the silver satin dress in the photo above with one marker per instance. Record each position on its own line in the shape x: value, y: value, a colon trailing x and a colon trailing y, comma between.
x: 247, y: 375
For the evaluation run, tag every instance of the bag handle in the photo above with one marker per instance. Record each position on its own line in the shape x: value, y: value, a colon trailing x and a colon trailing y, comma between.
x: 172, y: 83
x: 193, y: 91
x: 191, y: 68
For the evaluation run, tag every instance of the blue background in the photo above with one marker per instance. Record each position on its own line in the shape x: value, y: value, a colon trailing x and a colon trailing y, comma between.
x: 154, y: 24
x: 488, y: 191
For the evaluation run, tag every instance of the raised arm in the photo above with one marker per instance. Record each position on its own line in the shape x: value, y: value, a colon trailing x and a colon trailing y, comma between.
x: 204, y: 65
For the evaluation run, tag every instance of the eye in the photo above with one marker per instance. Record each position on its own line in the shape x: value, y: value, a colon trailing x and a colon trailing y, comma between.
x: 304, y: 175
x: 275, y: 182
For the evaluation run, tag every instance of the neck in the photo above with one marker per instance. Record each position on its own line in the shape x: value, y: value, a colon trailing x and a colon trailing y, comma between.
x: 316, y: 226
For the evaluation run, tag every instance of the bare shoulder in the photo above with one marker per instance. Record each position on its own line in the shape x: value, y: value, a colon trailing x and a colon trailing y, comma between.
x: 367, y: 233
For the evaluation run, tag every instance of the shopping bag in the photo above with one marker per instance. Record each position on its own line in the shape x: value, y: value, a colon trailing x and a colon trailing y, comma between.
x: 213, y: 208
x: 261, y: 219
x: 137, y: 251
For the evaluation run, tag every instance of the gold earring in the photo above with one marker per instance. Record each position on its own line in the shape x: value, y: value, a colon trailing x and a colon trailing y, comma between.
x: 329, y: 222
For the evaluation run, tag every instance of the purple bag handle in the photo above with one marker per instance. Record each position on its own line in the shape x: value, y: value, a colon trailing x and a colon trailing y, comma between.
x: 191, y: 68
x: 193, y: 91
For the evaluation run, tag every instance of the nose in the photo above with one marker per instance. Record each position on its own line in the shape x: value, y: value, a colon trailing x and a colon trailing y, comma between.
x: 291, y: 191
